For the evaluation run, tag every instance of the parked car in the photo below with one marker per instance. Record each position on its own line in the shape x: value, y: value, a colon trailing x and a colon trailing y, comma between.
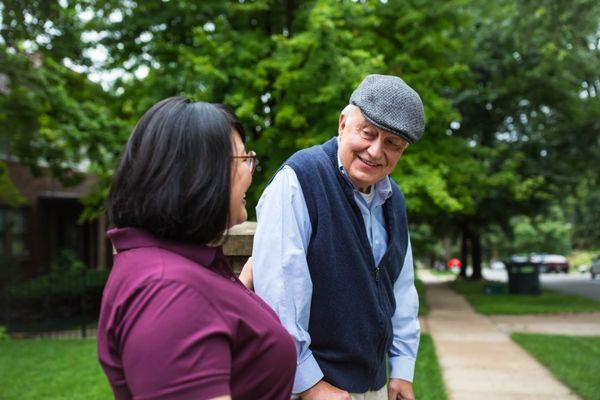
x: 595, y: 268
x: 497, y: 264
x: 550, y: 262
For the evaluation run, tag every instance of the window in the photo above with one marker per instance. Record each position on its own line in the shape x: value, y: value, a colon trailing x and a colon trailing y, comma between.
x: 13, y: 230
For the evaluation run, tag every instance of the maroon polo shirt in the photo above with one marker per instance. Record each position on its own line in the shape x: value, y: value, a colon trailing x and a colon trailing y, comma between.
x: 176, y: 323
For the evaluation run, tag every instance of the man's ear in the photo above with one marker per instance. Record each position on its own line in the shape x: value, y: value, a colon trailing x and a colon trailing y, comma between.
x: 341, y: 124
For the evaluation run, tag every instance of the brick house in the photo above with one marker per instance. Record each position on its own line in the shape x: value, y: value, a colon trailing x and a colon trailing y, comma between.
x: 36, y: 233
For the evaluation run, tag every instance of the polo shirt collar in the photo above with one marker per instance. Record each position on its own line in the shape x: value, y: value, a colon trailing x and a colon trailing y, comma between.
x: 134, y: 238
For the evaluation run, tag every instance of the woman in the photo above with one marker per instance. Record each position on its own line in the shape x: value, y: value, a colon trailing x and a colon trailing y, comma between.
x: 175, y: 322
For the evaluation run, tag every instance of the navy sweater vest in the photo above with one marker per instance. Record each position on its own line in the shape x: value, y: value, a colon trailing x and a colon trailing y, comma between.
x: 353, y: 300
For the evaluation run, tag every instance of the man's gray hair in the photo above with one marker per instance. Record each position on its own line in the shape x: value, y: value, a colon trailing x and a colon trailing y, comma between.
x: 348, y: 109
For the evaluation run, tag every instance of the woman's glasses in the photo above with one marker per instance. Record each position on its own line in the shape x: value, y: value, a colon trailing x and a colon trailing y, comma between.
x: 249, y: 159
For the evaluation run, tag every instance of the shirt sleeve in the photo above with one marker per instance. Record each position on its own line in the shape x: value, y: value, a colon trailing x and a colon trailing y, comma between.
x: 175, y: 345
x: 405, y: 322
x: 280, y: 270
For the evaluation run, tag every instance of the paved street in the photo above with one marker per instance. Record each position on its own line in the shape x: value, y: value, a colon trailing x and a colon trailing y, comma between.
x: 580, y: 284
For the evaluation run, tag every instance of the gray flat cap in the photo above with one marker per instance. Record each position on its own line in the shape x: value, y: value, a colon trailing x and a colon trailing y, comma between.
x: 390, y: 104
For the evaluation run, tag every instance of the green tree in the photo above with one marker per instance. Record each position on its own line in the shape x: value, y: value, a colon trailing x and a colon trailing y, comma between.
x: 9, y: 194
x: 586, y: 214
x: 288, y: 68
x: 52, y: 115
x: 510, y: 91
x: 530, y: 129
x: 56, y: 117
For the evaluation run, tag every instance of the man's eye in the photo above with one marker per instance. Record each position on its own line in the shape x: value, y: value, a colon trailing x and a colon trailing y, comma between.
x: 395, y: 143
x: 368, y: 134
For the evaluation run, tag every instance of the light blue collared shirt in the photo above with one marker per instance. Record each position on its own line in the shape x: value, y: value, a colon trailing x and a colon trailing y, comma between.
x: 282, y: 279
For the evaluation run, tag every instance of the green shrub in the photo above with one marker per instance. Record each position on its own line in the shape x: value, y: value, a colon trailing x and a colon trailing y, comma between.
x: 67, y: 277
x: 3, y: 334
x: 69, y: 294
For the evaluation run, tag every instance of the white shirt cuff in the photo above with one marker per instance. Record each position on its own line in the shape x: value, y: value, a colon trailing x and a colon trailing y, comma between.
x: 402, y: 368
x: 308, y: 374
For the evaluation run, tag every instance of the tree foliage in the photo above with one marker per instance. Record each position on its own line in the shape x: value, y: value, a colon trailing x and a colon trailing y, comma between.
x: 9, y: 194
x: 510, y: 91
x: 288, y: 68
x: 52, y: 115
x: 530, y: 125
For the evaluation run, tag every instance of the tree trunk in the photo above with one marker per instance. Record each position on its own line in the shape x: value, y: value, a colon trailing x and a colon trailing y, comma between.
x: 476, y: 255
x: 289, y: 15
x: 447, y: 245
x: 464, y: 251
x: 268, y: 23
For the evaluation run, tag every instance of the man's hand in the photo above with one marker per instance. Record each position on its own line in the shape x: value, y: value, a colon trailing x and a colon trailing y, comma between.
x: 399, y: 389
x: 324, y: 391
x: 246, y: 275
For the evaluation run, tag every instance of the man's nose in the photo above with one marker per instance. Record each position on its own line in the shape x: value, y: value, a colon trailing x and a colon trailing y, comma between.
x: 376, y: 148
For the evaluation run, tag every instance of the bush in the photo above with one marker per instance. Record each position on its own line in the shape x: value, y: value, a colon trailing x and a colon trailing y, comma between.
x: 3, y: 334
x: 68, y: 277
x: 68, y: 292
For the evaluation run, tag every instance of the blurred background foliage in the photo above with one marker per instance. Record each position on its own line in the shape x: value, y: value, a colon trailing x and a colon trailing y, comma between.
x: 509, y: 161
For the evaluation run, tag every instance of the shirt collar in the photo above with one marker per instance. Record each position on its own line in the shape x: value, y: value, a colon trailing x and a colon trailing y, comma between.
x: 133, y: 238
x: 383, y: 188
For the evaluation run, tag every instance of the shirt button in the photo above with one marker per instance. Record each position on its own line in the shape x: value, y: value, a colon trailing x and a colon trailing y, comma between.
x: 232, y: 279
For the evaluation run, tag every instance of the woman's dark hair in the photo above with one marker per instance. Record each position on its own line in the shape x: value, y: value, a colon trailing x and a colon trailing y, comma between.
x: 174, y: 178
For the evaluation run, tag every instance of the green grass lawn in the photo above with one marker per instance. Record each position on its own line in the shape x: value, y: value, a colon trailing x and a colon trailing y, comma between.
x: 547, y: 302
x: 51, y: 369
x: 574, y: 360
x: 428, y: 383
x: 68, y: 369
x: 423, y: 307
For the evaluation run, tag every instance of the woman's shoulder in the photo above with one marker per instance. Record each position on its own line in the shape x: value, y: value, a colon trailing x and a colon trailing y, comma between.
x: 157, y: 263
x: 139, y: 268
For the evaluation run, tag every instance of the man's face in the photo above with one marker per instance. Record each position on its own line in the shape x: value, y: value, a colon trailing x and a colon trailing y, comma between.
x: 368, y: 153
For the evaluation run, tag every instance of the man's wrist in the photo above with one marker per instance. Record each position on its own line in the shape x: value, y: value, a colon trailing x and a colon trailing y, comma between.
x: 308, y: 391
x: 308, y: 374
x: 402, y: 368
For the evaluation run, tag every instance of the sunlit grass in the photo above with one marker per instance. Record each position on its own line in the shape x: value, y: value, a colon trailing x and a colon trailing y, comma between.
x: 51, y: 369
x: 423, y: 306
x: 574, y: 360
x: 68, y: 369
x: 547, y: 302
x: 428, y: 383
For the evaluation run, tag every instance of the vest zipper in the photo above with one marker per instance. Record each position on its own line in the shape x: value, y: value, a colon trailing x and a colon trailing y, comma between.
x: 383, y: 340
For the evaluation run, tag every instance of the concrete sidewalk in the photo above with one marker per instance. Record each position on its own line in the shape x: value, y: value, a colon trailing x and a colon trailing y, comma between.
x: 478, y: 359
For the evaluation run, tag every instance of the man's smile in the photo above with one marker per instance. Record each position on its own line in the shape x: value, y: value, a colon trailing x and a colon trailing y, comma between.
x: 369, y: 163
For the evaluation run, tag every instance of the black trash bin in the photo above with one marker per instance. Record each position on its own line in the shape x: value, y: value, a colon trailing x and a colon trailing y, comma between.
x: 523, y: 276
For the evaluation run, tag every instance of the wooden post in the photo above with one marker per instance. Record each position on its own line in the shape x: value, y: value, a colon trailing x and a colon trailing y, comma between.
x: 238, y: 246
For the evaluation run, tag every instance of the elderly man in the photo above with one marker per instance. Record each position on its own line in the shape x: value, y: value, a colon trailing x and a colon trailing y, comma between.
x: 332, y: 253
